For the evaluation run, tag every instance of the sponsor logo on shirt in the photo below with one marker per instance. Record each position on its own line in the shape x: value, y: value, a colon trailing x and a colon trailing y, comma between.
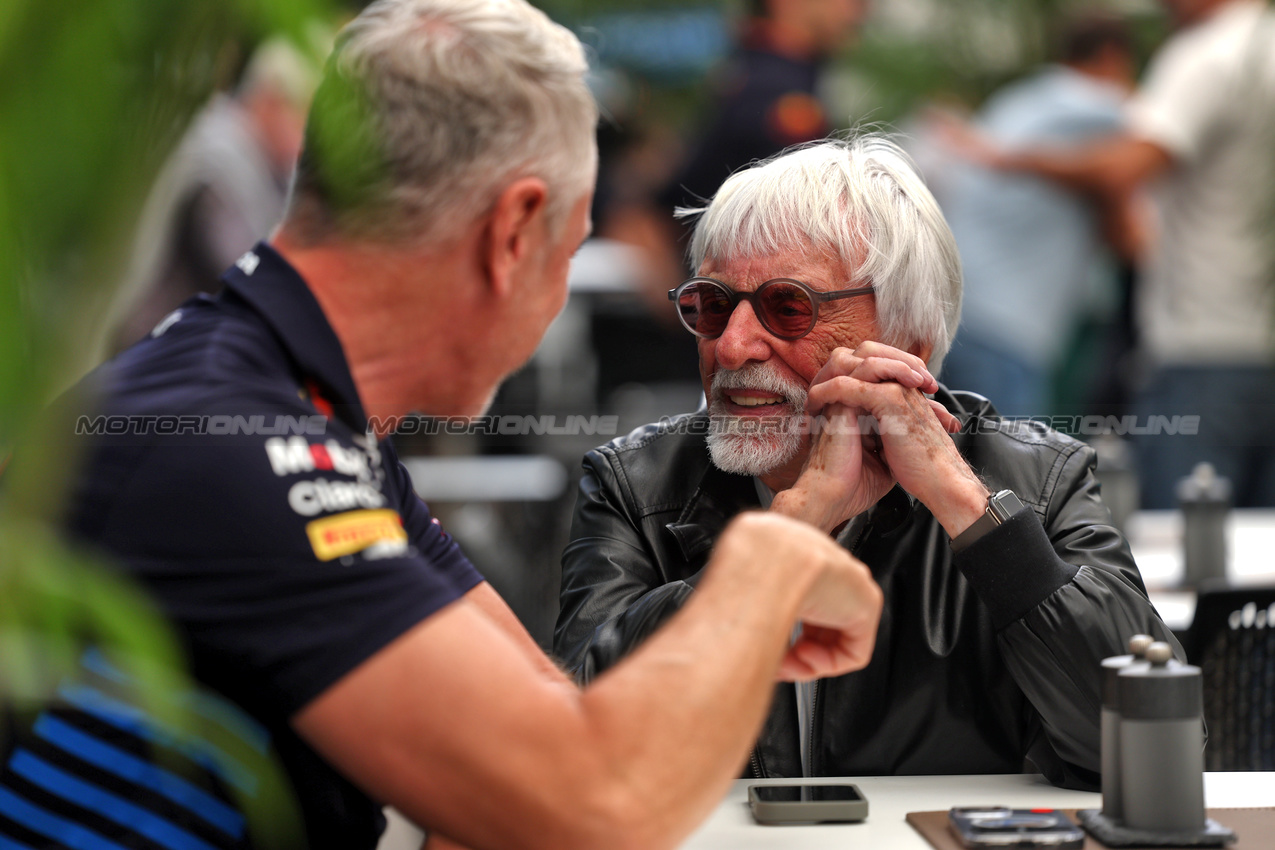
x: 248, y: 263
x: 310, y: 498
x: 354, y: 531
x: 295, y: 455
x: 166, y: 323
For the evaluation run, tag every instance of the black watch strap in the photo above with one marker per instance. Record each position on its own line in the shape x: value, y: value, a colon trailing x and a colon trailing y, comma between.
x: 1000, y: 507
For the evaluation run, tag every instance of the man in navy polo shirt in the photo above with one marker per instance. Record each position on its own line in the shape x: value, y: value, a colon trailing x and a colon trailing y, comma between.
x: 254, y: 492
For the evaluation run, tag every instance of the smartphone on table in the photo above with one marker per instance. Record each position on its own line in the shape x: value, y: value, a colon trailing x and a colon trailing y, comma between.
x: 819, y: 803
x: 1000, y: 826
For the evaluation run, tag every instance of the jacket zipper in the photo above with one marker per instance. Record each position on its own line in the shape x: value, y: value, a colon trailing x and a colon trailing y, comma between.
x: 858, y: 538
x: 810, y: 728
x: 755, y: 764
x: 809, y: 743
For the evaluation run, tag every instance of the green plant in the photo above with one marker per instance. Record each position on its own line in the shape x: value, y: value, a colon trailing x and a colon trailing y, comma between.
x: 96, y: 94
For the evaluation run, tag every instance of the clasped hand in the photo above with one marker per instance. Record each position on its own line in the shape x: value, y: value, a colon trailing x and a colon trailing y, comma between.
x: 876, y: 427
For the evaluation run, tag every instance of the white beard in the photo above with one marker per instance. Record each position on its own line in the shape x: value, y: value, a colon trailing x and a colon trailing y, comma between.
x: 734, y: 442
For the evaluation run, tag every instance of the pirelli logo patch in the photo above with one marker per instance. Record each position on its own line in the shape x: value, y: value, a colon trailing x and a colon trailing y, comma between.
x: 354, y: 531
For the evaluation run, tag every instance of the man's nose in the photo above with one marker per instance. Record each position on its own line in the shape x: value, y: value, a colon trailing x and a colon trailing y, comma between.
x: 744, y: 339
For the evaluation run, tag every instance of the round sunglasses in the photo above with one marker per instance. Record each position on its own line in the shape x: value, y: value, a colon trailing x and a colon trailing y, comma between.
x: 786, y: 308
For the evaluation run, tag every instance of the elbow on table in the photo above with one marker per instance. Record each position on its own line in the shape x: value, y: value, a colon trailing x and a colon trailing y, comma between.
x: 613, y: 813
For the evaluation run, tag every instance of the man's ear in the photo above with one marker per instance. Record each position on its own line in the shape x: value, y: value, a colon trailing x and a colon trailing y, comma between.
x: 514, y: 231
x: 922, y: 350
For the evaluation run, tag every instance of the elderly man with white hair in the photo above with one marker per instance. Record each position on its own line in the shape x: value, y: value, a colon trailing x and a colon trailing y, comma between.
x: 827, y: 291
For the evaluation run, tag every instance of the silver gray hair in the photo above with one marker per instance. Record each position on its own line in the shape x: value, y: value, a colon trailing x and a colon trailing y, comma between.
x: 429, y: 108
x: 861, y: 199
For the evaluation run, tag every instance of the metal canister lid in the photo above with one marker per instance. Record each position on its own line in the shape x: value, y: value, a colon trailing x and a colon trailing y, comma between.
x: 1204, y: 486
x: 1161, y: 689
x: 1111, y: 666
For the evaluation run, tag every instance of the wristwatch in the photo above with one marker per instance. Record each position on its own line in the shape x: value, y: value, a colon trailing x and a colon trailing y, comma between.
x: 1000, y: 507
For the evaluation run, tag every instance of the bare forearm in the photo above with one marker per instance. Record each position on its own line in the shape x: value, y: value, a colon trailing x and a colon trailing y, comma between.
x: 1074, y: 170
x: 957, y: 498
x: 635, y: 761
x: 458, y: 729
x: 1112, y: 167
x: 682, y: 712
x: 499, y: 612
x: 1125, y: 226
x: 810, y: 503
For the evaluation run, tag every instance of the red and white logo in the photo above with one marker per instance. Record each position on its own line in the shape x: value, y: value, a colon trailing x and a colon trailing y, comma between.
x: 295, y: 455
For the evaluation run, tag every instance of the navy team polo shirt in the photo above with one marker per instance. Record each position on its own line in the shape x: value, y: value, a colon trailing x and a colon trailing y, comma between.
x: 230, y: 472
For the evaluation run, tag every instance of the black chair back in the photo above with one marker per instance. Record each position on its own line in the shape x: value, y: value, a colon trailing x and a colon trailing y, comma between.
x: 1232, y: 640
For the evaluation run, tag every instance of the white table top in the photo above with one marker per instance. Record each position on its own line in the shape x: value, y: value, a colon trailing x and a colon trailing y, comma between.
x: 890, y: 798
x: 1156, y: 540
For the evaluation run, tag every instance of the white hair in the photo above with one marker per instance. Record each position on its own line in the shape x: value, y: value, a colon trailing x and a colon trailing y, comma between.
x: 862, y: 199
x: 429, y: 108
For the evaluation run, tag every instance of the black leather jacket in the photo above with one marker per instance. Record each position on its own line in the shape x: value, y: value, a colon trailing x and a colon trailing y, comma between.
x: 985, y: 662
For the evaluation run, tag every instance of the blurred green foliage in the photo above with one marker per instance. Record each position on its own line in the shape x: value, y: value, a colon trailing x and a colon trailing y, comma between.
x: 96, y: 94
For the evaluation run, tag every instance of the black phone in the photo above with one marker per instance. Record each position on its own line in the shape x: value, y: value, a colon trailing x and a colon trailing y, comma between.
x: 819, y: 803
x: 1000, y: 826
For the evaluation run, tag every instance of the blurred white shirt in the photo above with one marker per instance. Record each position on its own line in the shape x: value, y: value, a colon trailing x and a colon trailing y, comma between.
x: 1208, y: 294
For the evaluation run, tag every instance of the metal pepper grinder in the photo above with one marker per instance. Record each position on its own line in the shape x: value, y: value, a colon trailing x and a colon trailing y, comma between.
x: 1205, y: 499
x: 1112, y: 803
x: 1161, y: 743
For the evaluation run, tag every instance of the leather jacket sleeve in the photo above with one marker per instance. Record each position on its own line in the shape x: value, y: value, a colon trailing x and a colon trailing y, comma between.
x: 614, y: 594
x: 1064, y: 593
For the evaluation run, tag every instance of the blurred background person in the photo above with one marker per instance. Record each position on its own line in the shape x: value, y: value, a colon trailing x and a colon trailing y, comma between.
x: 1200, y: 136
x: 768, y: 95
x: 1034, y: 252
x: 223, y: 187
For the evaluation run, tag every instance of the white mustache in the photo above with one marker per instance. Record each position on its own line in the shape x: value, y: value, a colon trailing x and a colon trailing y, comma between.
x: 759, y: 376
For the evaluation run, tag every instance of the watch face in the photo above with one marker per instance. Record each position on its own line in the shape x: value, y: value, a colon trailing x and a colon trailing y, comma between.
x: 1004, y: 505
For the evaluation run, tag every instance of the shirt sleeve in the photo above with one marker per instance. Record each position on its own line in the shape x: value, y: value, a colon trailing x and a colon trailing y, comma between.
x: 1182, y: 101
x: 428, y: 535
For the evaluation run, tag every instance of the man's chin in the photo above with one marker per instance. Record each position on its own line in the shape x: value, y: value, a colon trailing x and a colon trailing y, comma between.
x: 750, y: 454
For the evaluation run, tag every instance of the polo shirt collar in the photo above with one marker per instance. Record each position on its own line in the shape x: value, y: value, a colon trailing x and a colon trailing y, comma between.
x: 278, y: 293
